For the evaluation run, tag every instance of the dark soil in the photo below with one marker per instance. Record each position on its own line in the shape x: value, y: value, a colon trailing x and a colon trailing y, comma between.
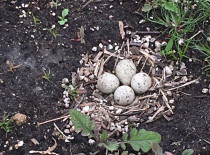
x: 25, y: 91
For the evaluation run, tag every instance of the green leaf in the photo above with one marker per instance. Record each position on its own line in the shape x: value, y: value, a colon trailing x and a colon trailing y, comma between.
x: 169, y: 45
x: 156, y: 148
x: 124, y: 153
x: 123, y: 146
x: 111, y: 146
x: 61, y: 18
x: 65, y: 12
x: 104, y: 136
x: 142, y: 139
x: 82, y: 123
x: 147, y: 7
x: 170, y: 6
x: 65, y: 20
x: 188, y: 152
x: 61, y: 22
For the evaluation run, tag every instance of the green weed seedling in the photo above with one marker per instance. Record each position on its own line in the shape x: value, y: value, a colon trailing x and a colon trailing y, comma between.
x: 55, y: 4
x: 5, y: 124
x: 52, y: 30
x: 35, y: 19
x: 46, y: 76
x: 72, y: 91
x: 62, y: 18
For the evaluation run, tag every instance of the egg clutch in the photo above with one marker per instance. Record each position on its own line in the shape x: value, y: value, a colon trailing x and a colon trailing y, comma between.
x: 131, y: 82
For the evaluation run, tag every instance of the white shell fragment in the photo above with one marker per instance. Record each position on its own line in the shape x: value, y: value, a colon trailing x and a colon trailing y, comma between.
x: 108, y: 83
x: 124, y: 95
x: 141, y: 82
x: 125, y: 70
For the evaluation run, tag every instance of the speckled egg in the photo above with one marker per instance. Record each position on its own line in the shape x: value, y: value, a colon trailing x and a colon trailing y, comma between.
x: 141, y: 82
x: 124, y: 95
x: 108, y: 83
x: 125, y: 70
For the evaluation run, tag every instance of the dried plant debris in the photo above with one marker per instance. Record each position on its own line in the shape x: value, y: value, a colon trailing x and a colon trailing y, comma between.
x: 48, y: 151
x: 157, y: 102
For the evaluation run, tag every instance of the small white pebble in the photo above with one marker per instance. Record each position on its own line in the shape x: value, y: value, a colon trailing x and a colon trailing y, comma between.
x: 66, y: 105
x: 101, y: 45
x: 148, y: 29
x: 68, y: 126
x: 26, y: 5
x: 119, y: 128
x: 145, y: 45
x: 164, y: 43
x: 86, y: 109
x: 142, y: 21
x: 67, y: 131
x: 94, y: 49
x: 110, y: 47
x: 111, y: 108
x: 66, y: 100
x: 116, y: 48
x: 181, y: 41
x: 91, y: 141
x: 20, y: 143
x: 171, y: 101
x: 118, y: 111
x: 157, y: 44
x: 205, y: 90
x: 65, y: 80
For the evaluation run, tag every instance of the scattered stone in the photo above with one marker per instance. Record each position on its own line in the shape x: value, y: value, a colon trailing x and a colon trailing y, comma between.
x: 86, y: 109
x: 168, y: 71
x: 142, y: 21
x: 205, y: 90
x: 19, y: 118
x: 110, y: 47
x: 66, y: 105
x: 171, y: 101
x: 20, y: 143
x: 91, y: 141
x: 111, y: 107
x: 94, y: 49
x: 67, y: 131
x: 118, y: 111
x: 101, y: 45
x: 65, y: 81
x: 66, y: 100
x: 164, y: 43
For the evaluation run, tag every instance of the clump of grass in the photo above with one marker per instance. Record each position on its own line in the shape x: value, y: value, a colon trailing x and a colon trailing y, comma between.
x: 53, y: 30
x: 55, y: 4
x: 6, y: 124
x: 35, y: 19
x: 181, y: 20
x: 205, y: 49
x: 46, y: 75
